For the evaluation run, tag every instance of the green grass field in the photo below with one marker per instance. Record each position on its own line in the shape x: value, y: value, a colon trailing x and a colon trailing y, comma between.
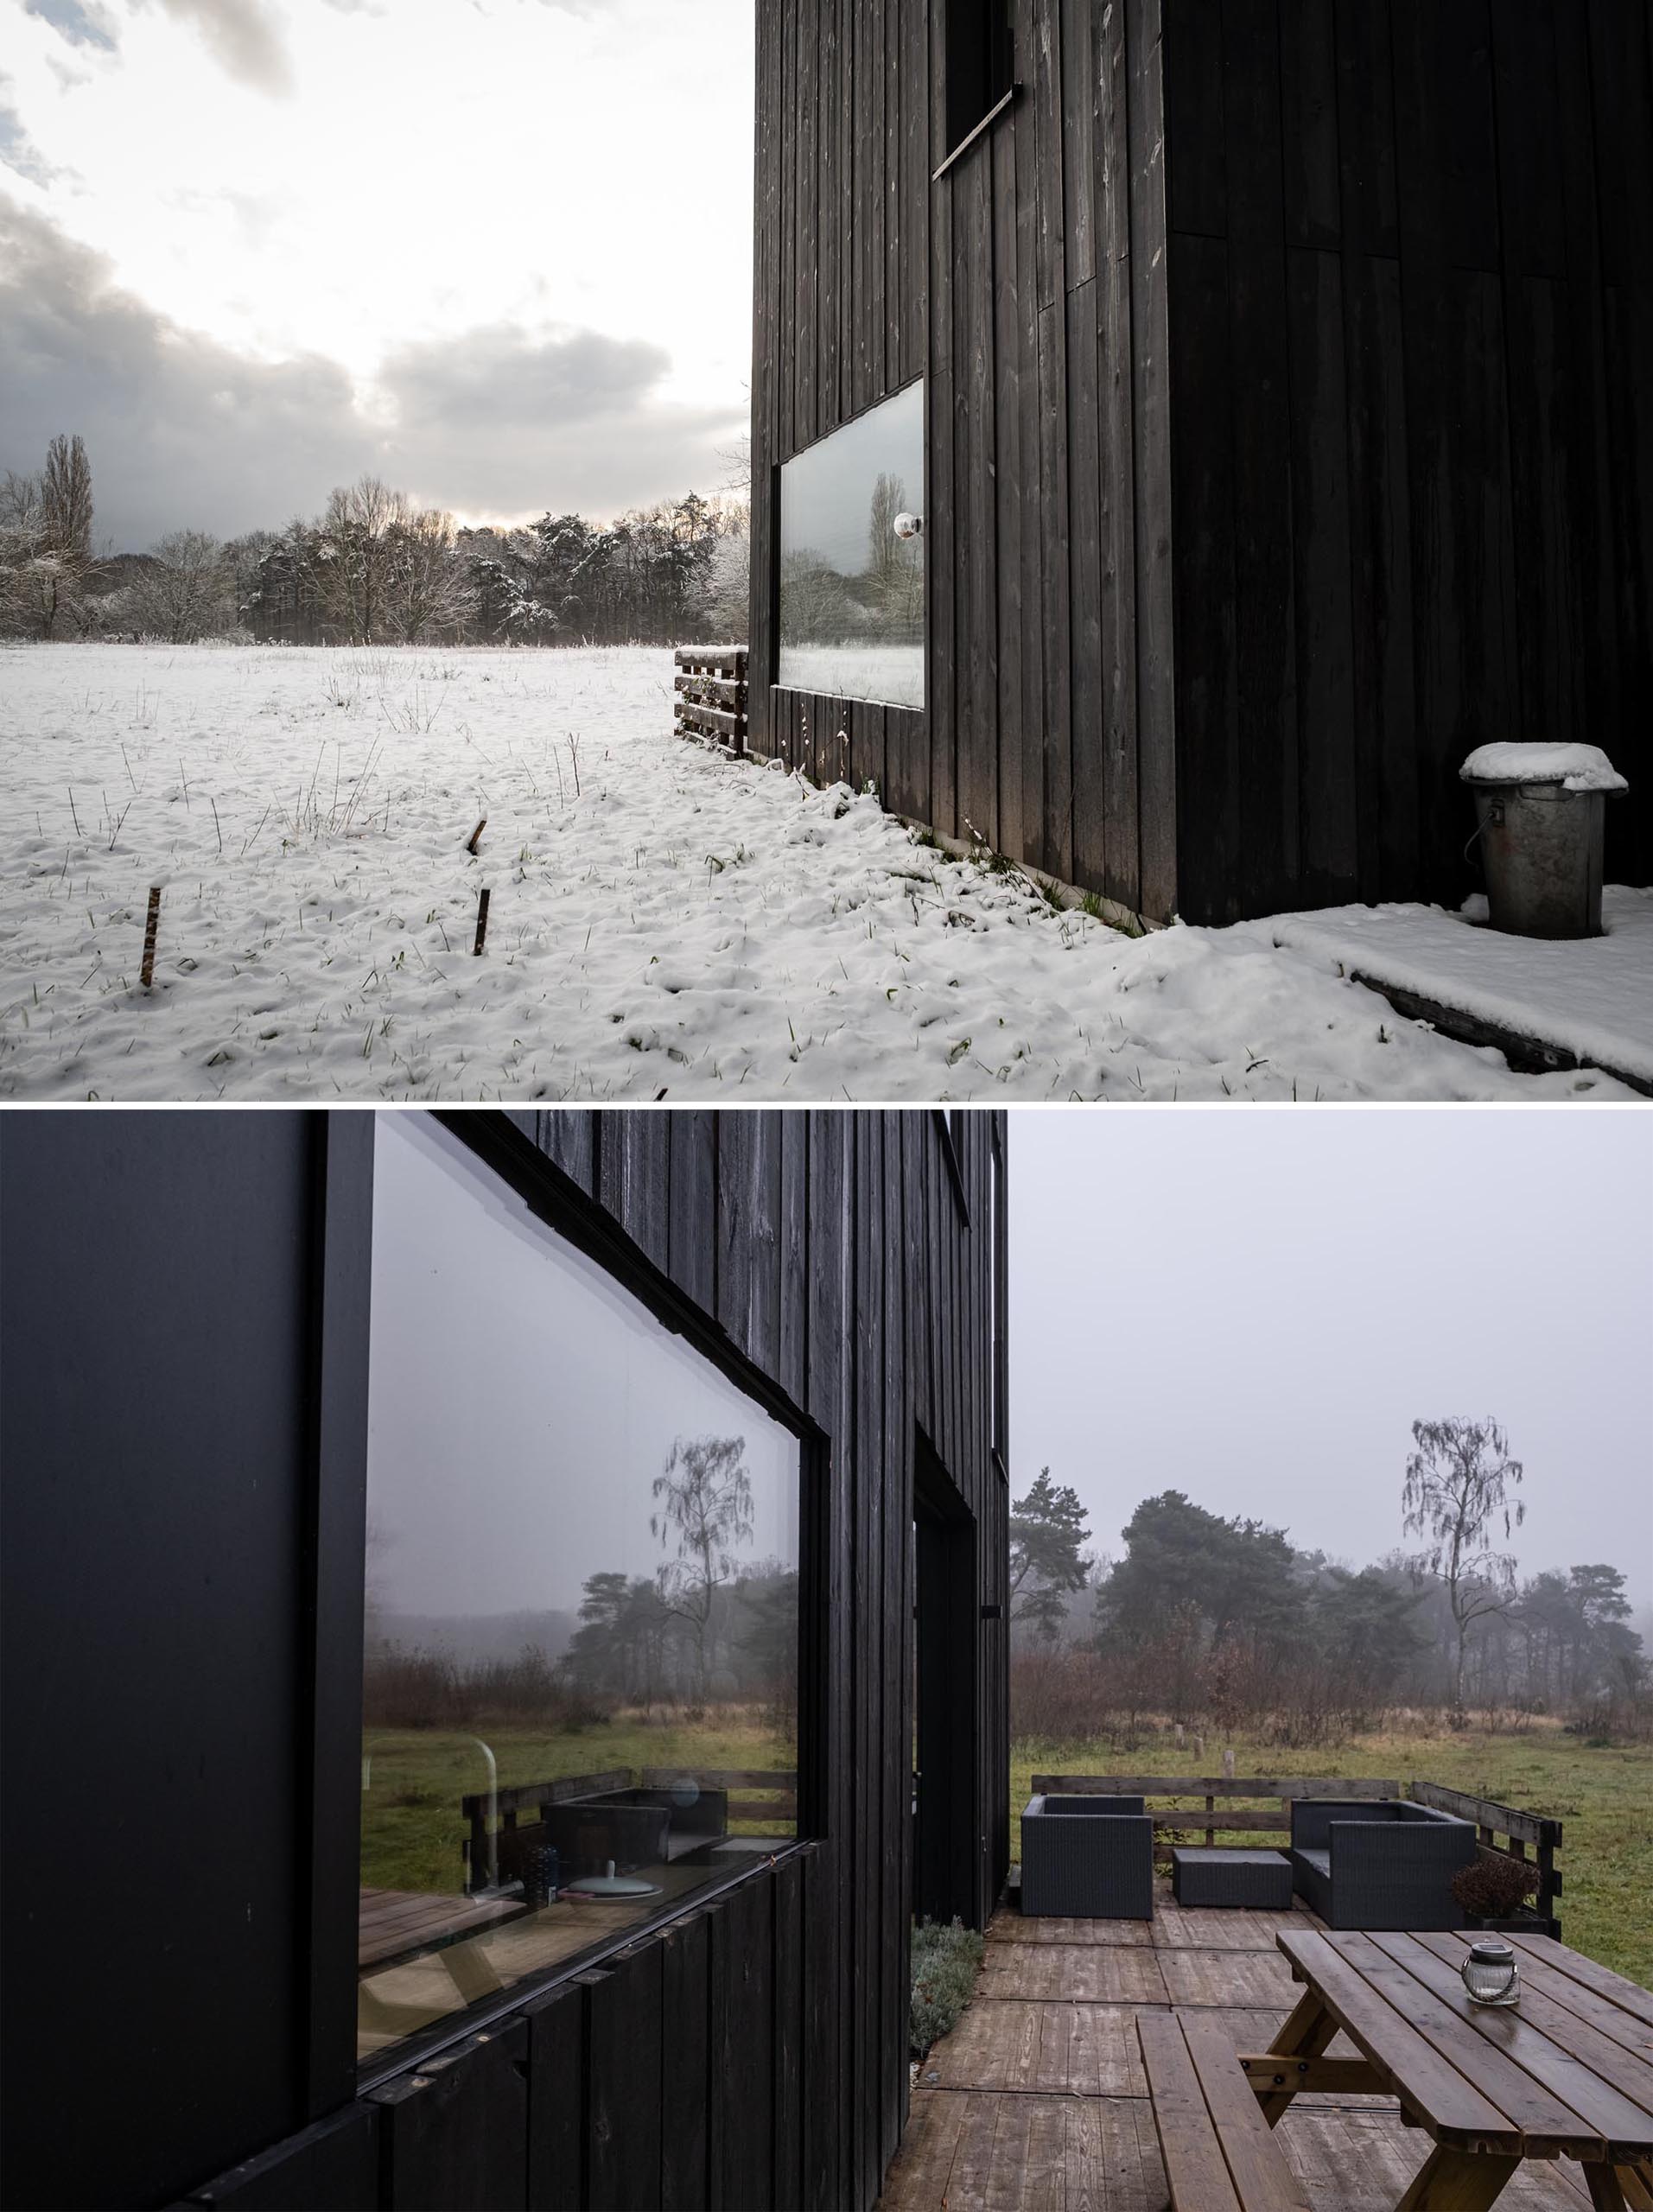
x: 413, y: 1780
x: 1604, y: 1797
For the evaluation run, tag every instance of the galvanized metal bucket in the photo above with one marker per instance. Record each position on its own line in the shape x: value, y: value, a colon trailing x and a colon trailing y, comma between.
x: 1540, y: 846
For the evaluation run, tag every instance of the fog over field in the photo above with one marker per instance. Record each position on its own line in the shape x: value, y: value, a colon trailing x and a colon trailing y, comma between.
x: 1254, y: 1309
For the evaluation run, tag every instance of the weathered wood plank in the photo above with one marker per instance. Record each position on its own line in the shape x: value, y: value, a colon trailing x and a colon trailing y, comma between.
x: 1151, y: 404
x: 1120, y: 847
x: 1285, y: 1787
x: 1087, y: 690
x: 687, y: 2087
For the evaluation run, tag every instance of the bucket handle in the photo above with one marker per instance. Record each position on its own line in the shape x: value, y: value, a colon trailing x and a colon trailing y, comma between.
x: 1492, y: 819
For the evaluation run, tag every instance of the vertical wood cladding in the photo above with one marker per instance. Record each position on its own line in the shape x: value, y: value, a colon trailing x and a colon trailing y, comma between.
x: 838, y: 1254
x: 752, y: 2054
x: 1290, y: 421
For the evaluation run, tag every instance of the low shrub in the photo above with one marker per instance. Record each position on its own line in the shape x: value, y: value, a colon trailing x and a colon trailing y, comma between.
x: 946, y: 1962
x: 1494, y: 1886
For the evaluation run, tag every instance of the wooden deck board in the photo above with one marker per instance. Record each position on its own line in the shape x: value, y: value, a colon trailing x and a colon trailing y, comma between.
x: 1037, y: 2101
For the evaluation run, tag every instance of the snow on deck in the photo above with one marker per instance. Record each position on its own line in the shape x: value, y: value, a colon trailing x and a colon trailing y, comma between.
x: 663, y: 922
x: 1592, y: 997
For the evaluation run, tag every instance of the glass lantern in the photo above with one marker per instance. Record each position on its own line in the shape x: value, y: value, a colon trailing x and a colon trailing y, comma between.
x: 1492, y: 1974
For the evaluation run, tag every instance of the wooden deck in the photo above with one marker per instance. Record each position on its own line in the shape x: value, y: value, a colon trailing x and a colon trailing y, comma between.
x: 1038, y: 2098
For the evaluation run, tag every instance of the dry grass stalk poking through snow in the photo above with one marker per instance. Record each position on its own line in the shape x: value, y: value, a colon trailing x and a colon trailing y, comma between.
x: 662, y: 923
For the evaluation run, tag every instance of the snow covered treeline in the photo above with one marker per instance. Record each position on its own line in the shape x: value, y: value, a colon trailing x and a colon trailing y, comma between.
x: 373, y: 567
x: 45, y: 544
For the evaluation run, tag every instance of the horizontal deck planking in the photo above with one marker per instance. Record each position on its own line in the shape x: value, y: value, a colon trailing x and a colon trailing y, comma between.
x: 1036, y: 2098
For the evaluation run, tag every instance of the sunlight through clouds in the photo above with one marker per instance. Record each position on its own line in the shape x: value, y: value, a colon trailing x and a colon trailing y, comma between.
x: 335, y: 181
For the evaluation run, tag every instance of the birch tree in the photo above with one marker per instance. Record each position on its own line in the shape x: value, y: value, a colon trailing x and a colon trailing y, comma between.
x: 704, y: 1496
x: 1459, y: 1484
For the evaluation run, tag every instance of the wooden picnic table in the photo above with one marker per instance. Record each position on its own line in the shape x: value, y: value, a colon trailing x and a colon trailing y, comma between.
x: 1567, y: 2072
x: 396, y: 1924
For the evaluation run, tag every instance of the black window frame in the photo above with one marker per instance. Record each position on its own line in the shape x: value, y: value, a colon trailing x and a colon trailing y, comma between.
x: 336, y: 1565
x: 771, y: 579
x: 948, y: 1124
x: 999, y: 1201
x: 980, y: 72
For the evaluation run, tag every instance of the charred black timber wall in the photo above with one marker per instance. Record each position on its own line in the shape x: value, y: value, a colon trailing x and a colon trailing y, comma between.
x: 1290, y: 402
x: 183, y: 1318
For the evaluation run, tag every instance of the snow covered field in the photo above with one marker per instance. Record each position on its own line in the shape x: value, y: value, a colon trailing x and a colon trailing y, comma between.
x: 663, y: 923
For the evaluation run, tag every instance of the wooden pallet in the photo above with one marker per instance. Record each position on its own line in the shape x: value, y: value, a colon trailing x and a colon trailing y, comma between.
x: 711, y: 694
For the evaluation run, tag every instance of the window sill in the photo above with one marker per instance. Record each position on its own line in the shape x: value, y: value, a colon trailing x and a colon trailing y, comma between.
x: 999, y: 107
x: 406, y: 2058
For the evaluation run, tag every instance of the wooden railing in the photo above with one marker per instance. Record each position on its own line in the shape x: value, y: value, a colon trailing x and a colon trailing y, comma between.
x: 711, y: 688
x: 777, y: 1800
x: 1518, y: 1829
x: 1245, y: 1795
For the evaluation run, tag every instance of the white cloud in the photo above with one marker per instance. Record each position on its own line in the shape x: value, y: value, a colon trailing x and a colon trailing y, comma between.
x: 496, y: 422
x: 531, y: 168
x: 242, y: 37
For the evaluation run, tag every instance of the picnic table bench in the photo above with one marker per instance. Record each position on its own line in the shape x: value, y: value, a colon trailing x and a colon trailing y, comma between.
x: 1214, y: 2140
x: 1567, y: 2072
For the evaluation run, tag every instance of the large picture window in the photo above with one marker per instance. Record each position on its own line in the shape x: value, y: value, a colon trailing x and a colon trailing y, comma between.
x: 582, y: 1626
x: 852, y: 559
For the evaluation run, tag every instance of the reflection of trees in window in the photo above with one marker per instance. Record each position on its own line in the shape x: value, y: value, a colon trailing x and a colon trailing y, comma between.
x: 882, y: 603
x: 620, y: 1644
x: 705, y: 1502
x: 894, y: 567
x: 769, y: 1640
x: 815, y: 607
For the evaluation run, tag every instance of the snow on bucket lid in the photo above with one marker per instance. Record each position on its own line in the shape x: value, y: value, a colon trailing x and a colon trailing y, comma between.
x: 1577, y: 768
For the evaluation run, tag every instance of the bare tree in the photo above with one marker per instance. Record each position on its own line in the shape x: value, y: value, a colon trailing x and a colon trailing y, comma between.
x: 1457, y: 1483
x: 428, y: 590
x: 184, y: 591
x: 705, y: 1496
x: 45, y: 541
x: 66, y: 489
x: 353, y: 557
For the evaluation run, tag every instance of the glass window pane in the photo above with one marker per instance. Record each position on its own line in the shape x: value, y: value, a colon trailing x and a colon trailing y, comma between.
x: 580, y: 1686
x: 980, y: 64
x: 851, y: 562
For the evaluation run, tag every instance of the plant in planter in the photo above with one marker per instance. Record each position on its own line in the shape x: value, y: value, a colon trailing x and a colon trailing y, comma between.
x: 1493, y: 1891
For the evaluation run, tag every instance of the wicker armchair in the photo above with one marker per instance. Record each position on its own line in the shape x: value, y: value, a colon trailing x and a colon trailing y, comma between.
x: 1087, y: 1859
x: 1378, y: 1863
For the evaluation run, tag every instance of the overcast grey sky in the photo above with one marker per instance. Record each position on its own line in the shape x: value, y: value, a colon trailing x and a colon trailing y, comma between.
x: 1253, y: 1307
x: 827, y: 506
x: 497, y: 251
x: 521, y: 1405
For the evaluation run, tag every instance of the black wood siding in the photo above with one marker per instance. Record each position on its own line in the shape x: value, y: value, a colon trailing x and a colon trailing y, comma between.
x: 164, y: 1859
x: 1411, y: 365
x: 1290, y: 421
x: 835, y: 1251
x: 154, y: 1429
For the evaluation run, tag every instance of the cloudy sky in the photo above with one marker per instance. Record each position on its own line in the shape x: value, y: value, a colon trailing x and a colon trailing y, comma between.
x: 1254, y: 1308
x: 497, y: 251
x: 522, y: 1404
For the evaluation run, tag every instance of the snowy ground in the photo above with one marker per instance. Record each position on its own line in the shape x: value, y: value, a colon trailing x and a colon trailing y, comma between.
x: 663, y: 922
x: 1593, y: 996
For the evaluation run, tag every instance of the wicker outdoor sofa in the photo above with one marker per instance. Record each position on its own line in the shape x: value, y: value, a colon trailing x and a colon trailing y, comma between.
x: 1383, y: 1863
x: 1087, y: 1858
